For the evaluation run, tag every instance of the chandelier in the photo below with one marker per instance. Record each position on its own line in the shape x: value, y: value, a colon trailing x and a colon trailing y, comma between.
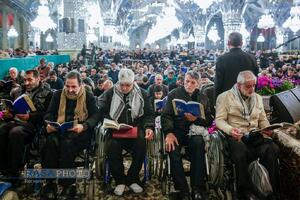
x: 261, y: 38
x: 12, y: 32
x: 43, y: 22
x: 266, y: 22
x: 213, y: 34
x: 49, y: 38
x: 293, y: 22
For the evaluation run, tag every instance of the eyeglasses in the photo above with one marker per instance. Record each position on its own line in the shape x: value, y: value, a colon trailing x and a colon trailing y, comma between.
x: 250, y: 86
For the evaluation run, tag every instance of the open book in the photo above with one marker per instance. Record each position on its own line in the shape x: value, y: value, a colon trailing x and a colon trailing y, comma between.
x: 62, y: 127
x: 6, y: 84
x: 272, y: 127
x: 107, y: 123
x: 159, y: 104
x: 22, y: 105
x: 180, y: 107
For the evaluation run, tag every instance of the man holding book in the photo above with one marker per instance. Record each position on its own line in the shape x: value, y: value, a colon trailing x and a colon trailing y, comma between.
x: 127, y: 103
x: 20, y: 129
x: 73, y: 103
x: 238, y: 111
x: 178, y: 117
x: 13, y: 81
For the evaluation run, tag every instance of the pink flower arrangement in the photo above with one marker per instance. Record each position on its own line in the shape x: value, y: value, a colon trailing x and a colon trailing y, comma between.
x: 267, y: 85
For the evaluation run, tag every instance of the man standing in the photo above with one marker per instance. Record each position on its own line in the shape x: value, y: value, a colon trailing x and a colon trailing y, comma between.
x: 176, y: 131
x: 230, y: 64
x: 73, y: 103
x: 238, y: 111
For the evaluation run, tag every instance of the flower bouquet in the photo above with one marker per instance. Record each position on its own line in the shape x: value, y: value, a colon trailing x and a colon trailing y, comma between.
x: 267, y: 85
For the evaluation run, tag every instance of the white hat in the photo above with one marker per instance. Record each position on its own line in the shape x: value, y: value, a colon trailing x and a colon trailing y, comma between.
x: 126, y: 76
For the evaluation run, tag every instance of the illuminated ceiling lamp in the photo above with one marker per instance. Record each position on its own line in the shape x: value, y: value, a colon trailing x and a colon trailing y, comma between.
x: 293, y: 22
x: 261, y: 38
x: 49, y: 38
x: 12, y: 32
x: 265, y: 22
x: 43, y: 22
x: 213, y: 34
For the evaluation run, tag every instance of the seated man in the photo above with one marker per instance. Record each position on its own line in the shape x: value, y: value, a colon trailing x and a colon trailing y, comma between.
x: 237, y: 111
x: 127, y: 103
x: 55, y: 82
x: 15, y: 134
x: 176, y: 132
x: 73, y: 103
x: 17, y: 82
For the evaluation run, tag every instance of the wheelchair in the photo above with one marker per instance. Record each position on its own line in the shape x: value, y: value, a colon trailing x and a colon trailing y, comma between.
x: 220, y: 179
x: 102, y: 166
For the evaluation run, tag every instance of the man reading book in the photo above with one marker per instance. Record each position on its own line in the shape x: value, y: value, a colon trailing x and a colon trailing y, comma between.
x: 11, y: 82
x: 238, y: 111
x: 176, y: 129
x: 127, y: 103
x: 19, y: 131
x: 71, y: 103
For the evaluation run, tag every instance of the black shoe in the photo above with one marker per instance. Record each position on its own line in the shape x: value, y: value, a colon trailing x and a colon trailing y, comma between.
x: 69, y: 192
x: 49, y: 191
x: 197, y: 195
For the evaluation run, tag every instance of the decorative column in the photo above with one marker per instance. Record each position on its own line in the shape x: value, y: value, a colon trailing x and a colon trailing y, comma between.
x: 232, y: 23
x: 279, y: 38
x: 5, y: 29
x: 199, y: 32
x: 72, y: 24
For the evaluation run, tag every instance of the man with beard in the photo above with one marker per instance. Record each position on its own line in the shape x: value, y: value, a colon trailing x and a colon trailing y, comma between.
x: 176, y: 130
x: 15, y: 134
x: 73, y: 103
x: 238, y: 111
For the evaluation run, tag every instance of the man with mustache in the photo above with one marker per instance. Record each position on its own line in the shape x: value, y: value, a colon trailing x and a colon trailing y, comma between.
x: 237, y: 112
x: 176, y: 131
x: 15, y: 134
x: 73, y: 103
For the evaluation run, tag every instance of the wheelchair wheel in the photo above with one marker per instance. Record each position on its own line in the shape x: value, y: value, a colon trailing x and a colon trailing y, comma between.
x: 215, y: 160
x: 100, y: 154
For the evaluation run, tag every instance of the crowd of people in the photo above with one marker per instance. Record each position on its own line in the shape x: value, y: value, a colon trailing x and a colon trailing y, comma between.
x: 123, y: 86
x: 20, y: 53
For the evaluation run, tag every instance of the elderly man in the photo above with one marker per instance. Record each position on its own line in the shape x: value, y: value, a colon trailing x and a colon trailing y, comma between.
x: 73, y: 103
x: 13, y: 82
x: 15, y: 134
x: 237, y: 112
x: 176, y: 130
x: 127, y: 103
x: 158, y: 81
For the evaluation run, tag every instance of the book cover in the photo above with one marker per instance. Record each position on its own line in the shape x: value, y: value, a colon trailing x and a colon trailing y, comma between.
x: 7, y: 84
x: 22, y: 105
x: 159, y: 104
x: 180, y: 107
x: 62, y: 128
x: 129, y: 133
x: 107, y: 123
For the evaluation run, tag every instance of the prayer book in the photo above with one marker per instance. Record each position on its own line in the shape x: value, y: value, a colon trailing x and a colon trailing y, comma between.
x: 63, y: 127
x: 22, y: 105
x: 107, y: 123
x: 195, y: 108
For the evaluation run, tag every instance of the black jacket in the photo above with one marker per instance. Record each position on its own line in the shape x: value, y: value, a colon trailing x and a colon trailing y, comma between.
x: 145, y: 121
x: 93, y: 112
x: 175, y: 124
x: 228, y: 67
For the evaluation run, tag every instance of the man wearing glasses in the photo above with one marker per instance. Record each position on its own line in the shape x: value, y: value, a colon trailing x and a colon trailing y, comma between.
x: 238, y: 111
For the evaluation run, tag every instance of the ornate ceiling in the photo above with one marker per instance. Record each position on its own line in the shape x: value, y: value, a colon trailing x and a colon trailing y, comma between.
x: 132, y: 15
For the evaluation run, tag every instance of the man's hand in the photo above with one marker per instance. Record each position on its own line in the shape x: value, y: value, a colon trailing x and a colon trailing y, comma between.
x: 24, y: 117
x: 189, y: 117
x: 50, y: 129
x: 149, y: 134
x: 236, y: 134
x: 78, y: 128
x: 171, y: 141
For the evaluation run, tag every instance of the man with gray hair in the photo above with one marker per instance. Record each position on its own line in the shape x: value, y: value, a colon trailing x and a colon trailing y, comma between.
x: 177, y: 129
x: 126, y: 103
x: 238, y: 111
